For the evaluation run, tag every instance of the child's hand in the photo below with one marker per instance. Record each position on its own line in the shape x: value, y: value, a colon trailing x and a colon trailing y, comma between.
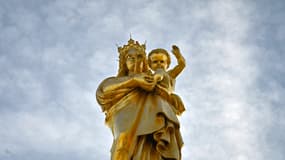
x: 176, y: 51
x: 158, y: 77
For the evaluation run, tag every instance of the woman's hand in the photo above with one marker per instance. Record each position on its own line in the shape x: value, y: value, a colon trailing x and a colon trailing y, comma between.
x: 144, y: 81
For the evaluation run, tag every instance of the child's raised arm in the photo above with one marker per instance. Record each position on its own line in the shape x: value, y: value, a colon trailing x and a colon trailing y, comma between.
x: 180, y: 60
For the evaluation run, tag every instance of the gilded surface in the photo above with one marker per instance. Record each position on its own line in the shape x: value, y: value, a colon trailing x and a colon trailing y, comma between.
x: 141, y: 108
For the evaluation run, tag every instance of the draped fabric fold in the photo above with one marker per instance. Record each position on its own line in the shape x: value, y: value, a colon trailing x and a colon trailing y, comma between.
x: 144, y: 124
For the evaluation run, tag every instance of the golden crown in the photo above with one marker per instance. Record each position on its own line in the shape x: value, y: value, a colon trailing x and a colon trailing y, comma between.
x: 131, y: 45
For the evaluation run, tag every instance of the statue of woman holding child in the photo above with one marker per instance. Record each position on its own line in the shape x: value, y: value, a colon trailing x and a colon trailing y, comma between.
x: 140, y: 106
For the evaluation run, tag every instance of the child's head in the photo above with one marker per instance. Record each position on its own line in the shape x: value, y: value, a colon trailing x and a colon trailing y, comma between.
x: 158, y: 58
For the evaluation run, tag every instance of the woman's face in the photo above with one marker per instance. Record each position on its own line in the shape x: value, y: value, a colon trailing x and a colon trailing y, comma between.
x: 134, y: 61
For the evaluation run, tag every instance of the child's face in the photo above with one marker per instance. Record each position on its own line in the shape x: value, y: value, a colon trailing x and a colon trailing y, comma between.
x: 158, y: 61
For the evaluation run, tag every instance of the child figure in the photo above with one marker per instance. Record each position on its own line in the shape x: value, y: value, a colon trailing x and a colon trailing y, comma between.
x: 159, y: 61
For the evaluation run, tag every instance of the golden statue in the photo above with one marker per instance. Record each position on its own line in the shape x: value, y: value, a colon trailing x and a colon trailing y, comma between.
x: 140, y: 106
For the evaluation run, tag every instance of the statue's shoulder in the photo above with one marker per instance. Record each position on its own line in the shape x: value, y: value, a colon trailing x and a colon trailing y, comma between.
x: 107, y: 81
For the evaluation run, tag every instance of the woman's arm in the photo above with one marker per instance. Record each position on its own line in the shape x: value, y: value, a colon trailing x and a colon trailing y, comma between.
x: 118, y: 83
x: 142, y: 80
x: 113, y: 89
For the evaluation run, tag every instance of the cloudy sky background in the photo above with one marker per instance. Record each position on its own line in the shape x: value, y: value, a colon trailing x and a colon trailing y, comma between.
x: 54, y: 54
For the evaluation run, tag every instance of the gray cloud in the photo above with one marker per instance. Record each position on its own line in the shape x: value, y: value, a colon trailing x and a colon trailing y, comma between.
x: 53, y: 55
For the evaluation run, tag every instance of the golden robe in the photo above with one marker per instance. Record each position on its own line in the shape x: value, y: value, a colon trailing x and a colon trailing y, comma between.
x: 144, y: 124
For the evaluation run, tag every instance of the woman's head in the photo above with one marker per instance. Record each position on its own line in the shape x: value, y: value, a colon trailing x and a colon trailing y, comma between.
x: 132, y: 60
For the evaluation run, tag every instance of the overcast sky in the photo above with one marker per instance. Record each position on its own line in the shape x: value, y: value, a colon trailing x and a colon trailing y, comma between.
x: 54, y: 54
